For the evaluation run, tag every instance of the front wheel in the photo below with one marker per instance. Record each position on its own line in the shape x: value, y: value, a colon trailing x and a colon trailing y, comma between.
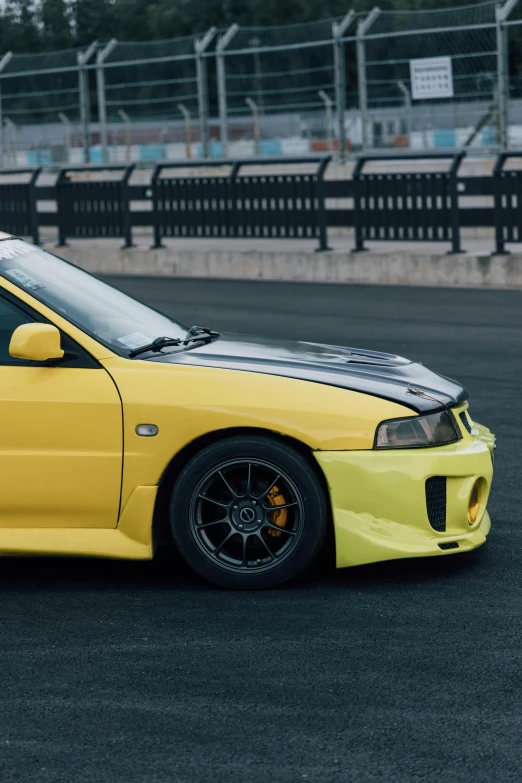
x: 248, y: 513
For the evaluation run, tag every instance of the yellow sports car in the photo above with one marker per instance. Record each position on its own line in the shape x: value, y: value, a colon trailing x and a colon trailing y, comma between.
x: 123, y: 430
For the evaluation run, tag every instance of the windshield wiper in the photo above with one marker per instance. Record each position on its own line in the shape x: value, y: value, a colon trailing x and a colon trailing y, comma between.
x: 194, y: 334
x: 156, y: 345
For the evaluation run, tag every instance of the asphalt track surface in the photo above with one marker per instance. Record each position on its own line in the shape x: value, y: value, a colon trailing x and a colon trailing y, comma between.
x: 401, y: 672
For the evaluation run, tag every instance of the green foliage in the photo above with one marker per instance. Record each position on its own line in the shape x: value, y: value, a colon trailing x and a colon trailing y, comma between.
x: 31, y: 26
x: 56, y: 25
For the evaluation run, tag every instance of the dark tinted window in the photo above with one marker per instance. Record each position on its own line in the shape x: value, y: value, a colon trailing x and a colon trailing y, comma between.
x: 10, y: 318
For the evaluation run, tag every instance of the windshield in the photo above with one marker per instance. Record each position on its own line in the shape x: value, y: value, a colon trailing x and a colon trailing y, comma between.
x: 108, y: 315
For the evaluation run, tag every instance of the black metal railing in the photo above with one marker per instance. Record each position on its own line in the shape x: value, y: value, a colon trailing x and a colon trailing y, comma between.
x: 273, y: 200
x: 406, y: 206
x: 18, y: 213
x: 507, y: 193
x: 94, y: 202
x: 260, y: 205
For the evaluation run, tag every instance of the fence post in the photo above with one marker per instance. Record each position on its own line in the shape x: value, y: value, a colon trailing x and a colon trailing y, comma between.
x: 252, y: 105
x: 407, y: 105
x: 100, y: 85
x: 188, y: 134
x: 83, y: 89
x: 128, y: 132
x: 64, y: 119
x: 501, y: 14
x: 13, y: 140
x: 3, y: 62
x: 362, y: 28
x: 338, y: 30
x: 222, y: 43
x: 200, y: 46
x: 328, y: 104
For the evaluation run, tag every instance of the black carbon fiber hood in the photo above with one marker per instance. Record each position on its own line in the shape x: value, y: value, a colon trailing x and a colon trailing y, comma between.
x: 370, y: 372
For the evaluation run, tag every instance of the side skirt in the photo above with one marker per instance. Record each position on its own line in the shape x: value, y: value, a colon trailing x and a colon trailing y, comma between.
x: 131, y: 540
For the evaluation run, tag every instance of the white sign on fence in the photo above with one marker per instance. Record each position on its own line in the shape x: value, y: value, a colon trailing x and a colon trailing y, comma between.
x: 431, y: 77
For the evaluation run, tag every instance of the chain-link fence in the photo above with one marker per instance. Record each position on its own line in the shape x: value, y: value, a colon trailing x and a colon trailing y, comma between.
x: 438, y: 79
x: 411, y: 109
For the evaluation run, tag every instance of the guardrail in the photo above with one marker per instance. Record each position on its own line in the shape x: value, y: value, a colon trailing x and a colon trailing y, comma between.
x: 507, y: 191
x: 263, y: 205
x: 414, y: 206
x: 18, y: 213
x: 94, y: 206
x: 281, y: 204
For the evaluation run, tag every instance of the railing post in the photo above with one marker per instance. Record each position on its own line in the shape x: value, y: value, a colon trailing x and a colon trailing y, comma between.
x: 500, y: 248
x: 222, y: 43
x: 321, y: 205
x: 83, y: 90
x: 33, y: 214
x: 200, y: 47
x: 100, y: 85
x: 454, y: 203
x: 362, y: 29
x: 127, y: 216
x: 501, y: 14
x: 357, y: 195
x: 156, y: 208
x: 338, y: 30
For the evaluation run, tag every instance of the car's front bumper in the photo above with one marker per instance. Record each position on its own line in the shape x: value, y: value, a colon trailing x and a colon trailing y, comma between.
x: 379, y: 499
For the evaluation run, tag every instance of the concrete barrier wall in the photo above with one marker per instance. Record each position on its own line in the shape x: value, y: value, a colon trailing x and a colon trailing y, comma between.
x: 393, y: 267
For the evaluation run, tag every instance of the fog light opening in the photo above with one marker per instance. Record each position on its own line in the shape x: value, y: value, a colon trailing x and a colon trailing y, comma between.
x: 474, y: 501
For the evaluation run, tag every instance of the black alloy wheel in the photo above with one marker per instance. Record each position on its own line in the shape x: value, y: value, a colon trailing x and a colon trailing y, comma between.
x: 248, y: 513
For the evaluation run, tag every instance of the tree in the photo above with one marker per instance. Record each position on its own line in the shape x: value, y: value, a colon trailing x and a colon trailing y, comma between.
x: 56, y: 25
x: 19, y: 27
x: 94, y: 20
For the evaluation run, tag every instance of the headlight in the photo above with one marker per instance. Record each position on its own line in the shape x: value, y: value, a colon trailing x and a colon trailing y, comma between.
x: 417, y: 431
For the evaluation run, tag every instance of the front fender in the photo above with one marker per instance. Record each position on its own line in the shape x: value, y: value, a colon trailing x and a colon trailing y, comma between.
x: 187, y: 402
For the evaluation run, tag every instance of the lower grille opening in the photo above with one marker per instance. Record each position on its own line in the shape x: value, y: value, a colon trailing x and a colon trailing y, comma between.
x: 449, y: 545
x: 436, y: 502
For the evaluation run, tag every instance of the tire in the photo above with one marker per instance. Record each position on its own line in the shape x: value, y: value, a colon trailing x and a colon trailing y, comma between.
x: 248, y: 513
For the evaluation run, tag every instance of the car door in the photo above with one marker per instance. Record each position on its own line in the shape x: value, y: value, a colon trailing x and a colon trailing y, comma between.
x: 61, y: 445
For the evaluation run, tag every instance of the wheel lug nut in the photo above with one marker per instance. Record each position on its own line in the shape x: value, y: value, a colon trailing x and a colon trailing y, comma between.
x: 253, y: 502
x: 235, y: 508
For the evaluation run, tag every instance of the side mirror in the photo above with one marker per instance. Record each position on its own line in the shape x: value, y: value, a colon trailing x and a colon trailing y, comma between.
x: 36, y: 343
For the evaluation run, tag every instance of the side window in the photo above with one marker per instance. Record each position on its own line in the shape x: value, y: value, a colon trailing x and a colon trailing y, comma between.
x: 10, y: 318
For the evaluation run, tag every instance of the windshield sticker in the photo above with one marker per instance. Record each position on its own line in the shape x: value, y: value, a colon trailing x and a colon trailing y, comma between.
x: 135, y: 340
x: 20, y: 277
x: 11, y: 248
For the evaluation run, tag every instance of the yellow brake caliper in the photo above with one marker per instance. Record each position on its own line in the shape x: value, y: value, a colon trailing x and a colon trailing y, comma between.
x: 276, y: 498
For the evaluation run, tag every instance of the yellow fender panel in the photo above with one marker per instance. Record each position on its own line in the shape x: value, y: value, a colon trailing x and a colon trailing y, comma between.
x: 187, y: 402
